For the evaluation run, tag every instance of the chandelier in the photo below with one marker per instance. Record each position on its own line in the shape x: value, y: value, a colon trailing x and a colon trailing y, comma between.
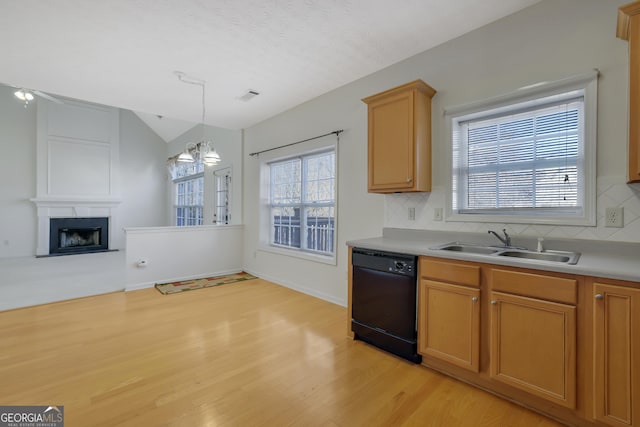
x: 204, y: 149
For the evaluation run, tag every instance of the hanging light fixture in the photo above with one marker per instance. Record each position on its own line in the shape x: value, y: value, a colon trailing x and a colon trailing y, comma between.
x: 204, y: 149
x: 186, y: 155
x: 209, y: 156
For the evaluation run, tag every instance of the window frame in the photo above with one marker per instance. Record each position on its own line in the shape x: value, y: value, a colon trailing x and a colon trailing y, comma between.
x: 219, y: 175
x: 584, y: 83
x: 303, y: 205
x: 183, y: 179
x: 266, y: 224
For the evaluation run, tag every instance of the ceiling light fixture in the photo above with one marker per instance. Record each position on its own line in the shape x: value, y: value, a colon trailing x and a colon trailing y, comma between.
x: 204, y: 149
x: 24, y: 95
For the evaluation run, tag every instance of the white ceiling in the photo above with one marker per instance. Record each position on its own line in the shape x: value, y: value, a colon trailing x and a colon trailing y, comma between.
x: 124, y: 52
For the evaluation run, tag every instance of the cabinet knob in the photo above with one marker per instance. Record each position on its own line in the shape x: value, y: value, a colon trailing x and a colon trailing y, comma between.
x: 599, y: 296
x: 474, y: 299
x: 409, y: 180
x: 494, y: 302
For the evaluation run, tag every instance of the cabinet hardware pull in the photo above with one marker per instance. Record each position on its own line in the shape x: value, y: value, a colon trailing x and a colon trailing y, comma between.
x: 599, y: 296
x: 409, y: 180
x: 474, y: 299
x: 494, y: 302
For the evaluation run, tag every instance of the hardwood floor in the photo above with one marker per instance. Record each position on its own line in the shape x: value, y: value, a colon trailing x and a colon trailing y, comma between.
x: 244, y: 354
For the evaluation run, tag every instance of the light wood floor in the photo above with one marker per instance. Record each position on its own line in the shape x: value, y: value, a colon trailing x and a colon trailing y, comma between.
x: 245, y: 354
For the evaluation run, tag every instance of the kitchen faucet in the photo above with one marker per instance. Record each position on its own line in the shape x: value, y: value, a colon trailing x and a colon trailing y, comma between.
x: 506, y: 241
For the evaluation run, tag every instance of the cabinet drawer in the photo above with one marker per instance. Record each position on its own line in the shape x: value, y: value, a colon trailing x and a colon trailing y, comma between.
x: 450, y: 272
x: 535, y: 285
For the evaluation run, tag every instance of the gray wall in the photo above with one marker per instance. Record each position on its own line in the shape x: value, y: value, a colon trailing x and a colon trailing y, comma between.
x: 228, y: 144
x: 142, y: 175
x: 18, y: 232
x: 549, y: 41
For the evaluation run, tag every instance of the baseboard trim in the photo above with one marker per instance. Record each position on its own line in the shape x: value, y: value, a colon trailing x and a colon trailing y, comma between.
x: 297, y: 287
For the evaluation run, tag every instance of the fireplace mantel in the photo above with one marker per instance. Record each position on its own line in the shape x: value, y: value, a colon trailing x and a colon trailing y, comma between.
x: 72, y: 207
x: 59, y: 201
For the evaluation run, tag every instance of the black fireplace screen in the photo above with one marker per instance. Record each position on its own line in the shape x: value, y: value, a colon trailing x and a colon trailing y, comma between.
x: 78, y: 235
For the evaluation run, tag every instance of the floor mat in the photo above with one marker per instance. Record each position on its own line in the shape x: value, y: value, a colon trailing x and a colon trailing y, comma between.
x: 189, y: 285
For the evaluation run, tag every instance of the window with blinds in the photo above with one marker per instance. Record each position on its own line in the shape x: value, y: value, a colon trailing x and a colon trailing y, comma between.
x: 523, y: 159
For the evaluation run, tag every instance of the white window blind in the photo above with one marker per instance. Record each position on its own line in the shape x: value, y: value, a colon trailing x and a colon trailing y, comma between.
x: 530, y: 159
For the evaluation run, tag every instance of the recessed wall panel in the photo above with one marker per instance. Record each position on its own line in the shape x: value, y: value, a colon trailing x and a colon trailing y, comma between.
x: 79, y: 168
x: 81, y: 121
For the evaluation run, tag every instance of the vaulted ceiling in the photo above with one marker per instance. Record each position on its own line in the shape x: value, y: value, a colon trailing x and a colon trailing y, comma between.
x: 124, y: 52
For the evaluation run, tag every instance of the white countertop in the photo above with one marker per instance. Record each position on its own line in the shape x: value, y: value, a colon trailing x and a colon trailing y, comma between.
x: 613, y: 260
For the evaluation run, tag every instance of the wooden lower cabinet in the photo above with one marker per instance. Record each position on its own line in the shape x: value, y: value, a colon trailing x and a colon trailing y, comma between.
x: 565, y: 345
x: 533, y: 346
x: 449, y: 323
x: 616, y: 315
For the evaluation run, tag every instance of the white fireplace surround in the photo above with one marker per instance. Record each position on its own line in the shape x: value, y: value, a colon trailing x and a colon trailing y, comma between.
x: 80, y: 208
x: 77, y: 166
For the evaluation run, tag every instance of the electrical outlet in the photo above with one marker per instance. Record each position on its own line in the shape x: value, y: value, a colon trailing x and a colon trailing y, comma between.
x: 614, y: 217
x: 437, y: 214
x: 412, y: 214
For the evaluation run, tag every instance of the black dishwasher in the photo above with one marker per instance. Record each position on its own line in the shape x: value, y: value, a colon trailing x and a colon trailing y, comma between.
x: 383, y: 301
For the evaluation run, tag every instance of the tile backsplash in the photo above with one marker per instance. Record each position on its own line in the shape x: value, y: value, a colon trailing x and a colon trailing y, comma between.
x: 612, y: 192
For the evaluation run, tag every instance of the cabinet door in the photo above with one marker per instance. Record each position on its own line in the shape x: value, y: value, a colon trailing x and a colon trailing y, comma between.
x: 629, y: 29
x: 449, y: 323
x: 617, y: 355
x: 391, y: 142
x: 634, y: 97
x: 533, y: 346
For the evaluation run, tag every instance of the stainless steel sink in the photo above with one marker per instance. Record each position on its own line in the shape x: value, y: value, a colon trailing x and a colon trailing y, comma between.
x: 554, y: 256
x: 463, y: 247
x: 511, y: 252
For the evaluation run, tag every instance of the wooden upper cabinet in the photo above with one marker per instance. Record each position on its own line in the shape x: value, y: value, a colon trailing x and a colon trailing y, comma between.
x: 629, y: 29
x: 400, y: 139
x: 617, y: 352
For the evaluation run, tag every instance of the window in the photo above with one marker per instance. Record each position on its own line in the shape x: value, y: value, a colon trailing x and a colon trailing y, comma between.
x: 188, y: 179
x: 302, y: 203
x: 527, y: 159
x: 223, y: 188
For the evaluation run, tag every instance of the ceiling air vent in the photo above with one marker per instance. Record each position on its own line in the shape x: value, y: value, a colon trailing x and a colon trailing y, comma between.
x: 249, y: 95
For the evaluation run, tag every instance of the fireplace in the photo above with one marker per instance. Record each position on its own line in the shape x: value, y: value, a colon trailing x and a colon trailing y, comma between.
x: 68, y: 236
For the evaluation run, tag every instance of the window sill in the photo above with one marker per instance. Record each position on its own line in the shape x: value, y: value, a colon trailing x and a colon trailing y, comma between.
x: 323, y: 259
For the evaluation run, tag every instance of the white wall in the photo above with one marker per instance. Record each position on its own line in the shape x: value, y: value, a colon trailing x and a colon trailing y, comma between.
x: 548, y: 41
x: 181, y: 253
x: 228, y: 144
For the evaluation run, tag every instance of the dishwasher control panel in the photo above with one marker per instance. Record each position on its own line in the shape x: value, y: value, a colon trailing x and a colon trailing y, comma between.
x: 402, y: 267
x: 385, y: 261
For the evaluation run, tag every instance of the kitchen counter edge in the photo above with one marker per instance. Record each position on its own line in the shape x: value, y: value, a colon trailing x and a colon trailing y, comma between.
x: 610, y: 260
